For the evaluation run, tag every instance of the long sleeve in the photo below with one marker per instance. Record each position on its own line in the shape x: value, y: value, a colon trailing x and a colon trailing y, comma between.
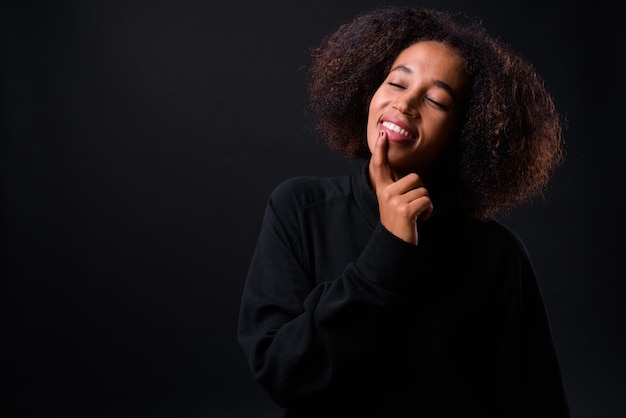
x: 528, y: 367
x: 543, y: 391
x: 304, y: 336
x: 341, y: 318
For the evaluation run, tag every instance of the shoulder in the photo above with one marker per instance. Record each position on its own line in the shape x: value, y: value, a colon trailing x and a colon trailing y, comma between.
x: 305, y: 191
x: 495, y: 234
x: 495, y: 250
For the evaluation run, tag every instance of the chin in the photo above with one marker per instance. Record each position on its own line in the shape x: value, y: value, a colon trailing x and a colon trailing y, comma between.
x: 399, y: 163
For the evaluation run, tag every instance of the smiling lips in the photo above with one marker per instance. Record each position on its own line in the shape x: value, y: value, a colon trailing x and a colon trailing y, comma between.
x: 406, y: 135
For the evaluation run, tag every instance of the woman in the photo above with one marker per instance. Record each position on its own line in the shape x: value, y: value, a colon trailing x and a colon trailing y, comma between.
x: 393, y: 291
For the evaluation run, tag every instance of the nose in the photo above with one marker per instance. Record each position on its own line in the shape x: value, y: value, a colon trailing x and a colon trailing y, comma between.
x: 404, y: 106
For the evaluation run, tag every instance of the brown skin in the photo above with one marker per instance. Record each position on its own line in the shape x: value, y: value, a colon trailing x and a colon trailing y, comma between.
x: 509, y: 140
x: 422, y: 97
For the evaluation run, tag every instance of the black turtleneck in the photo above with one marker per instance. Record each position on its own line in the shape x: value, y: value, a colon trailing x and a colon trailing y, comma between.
x: 341, y: 318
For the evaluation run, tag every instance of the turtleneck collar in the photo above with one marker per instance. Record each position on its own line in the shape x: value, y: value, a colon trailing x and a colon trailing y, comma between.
x: 446, y: 214
x: 364, y: 195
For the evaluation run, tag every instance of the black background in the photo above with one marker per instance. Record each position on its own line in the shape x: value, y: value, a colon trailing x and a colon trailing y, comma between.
x: 139, y: 142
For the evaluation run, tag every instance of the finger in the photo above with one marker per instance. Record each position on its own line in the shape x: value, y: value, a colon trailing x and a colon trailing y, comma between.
x: 409, y: 182
x: 427, y: 209
x: 418, y: 204
x: 379, y: 165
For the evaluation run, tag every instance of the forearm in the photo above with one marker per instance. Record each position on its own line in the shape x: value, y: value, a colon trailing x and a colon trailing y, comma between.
x: 303, y: 337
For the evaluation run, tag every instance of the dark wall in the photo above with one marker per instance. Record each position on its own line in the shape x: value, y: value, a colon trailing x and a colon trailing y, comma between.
x: 139, y: 141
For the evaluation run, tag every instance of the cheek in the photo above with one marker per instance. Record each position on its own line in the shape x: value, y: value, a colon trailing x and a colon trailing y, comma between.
x: 443, y: 136
x: 372, y: 111
x: 440, y: 125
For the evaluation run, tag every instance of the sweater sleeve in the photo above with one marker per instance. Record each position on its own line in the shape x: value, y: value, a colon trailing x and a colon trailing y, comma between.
x: 303, y: 339
x: 527, y: 365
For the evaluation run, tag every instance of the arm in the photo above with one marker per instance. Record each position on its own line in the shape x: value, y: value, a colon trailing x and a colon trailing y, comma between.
x: 528, y: 350
x: 304, y: 339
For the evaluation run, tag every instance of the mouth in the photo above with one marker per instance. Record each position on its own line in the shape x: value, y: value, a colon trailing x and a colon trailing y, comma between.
x: 398, y: 129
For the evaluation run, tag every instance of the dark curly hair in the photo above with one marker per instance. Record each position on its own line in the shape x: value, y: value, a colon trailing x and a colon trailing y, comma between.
x: 510, y: 139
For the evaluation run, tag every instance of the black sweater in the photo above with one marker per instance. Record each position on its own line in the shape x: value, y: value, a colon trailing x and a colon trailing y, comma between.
x: 341, y: 318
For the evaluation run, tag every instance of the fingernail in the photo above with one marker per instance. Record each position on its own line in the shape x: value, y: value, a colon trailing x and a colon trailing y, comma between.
x: 380, y: 134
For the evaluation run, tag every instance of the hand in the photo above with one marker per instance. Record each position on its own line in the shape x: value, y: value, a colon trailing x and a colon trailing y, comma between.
x: 402, y: 201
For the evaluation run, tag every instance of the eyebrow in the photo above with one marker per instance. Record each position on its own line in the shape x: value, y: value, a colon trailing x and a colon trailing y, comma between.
x: 438, y: 83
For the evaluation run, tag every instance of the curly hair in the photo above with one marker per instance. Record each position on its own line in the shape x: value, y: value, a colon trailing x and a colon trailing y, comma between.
x: 510, y: 139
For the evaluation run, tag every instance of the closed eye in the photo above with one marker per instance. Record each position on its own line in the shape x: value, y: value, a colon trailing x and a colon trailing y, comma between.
x: 436, y: 103
x: 399, y: 86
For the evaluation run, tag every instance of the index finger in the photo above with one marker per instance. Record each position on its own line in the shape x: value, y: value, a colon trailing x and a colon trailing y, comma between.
x: 380, y: 171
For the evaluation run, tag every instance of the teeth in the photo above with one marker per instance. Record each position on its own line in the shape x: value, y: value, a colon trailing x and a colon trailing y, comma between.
x: 397, y: 129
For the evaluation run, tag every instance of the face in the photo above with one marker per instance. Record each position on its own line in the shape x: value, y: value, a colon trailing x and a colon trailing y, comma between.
x: 419, y: 106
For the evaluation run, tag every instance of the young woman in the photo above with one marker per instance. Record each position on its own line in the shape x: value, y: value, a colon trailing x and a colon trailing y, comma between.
x: 393, y: 291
